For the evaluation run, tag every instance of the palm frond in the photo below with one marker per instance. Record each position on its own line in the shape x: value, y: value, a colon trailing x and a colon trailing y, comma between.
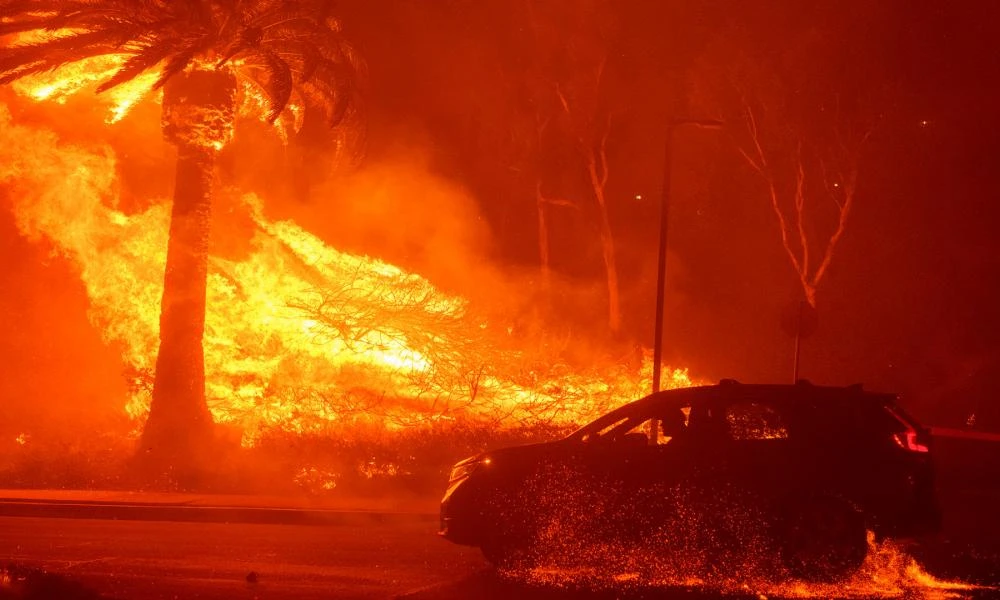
x: 277, y: 83
x: 22, y: 25
x: 281, y: 47
x: 175, y: 64
x: 13, y: 9
x: 20, y: 61
x: 152, y: 55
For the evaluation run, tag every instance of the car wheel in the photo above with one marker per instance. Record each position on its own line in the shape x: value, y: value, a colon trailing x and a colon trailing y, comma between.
x: 823, y: 539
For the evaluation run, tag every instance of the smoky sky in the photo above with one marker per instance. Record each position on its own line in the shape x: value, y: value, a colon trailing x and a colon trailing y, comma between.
x: 909, y: 304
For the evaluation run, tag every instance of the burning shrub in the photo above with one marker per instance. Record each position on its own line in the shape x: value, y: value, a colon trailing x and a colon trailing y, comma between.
x: 303, y: 341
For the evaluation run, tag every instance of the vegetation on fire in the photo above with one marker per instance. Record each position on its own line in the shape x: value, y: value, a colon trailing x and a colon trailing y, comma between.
x: 211, y: 57
x: 303, y: 340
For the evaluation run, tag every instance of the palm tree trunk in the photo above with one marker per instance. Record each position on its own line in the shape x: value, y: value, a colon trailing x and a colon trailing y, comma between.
x: 179, y: 421
x: 198, y: 116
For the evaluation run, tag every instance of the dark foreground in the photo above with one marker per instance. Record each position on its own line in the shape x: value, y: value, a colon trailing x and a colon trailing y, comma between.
x: 369, y: 558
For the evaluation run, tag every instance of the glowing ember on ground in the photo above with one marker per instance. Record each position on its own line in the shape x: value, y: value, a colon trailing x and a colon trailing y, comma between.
x: 888, y: 572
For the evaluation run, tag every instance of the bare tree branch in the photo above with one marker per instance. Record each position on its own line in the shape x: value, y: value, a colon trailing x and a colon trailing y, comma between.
x: 602, y: 153
x: 800, y: 181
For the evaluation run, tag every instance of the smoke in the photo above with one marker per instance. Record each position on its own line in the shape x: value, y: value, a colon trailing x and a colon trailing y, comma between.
x: 400, y: 211
x: 397, y: 207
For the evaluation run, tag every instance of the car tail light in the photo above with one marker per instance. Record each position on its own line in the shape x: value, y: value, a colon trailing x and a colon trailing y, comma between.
x: 909, y: 438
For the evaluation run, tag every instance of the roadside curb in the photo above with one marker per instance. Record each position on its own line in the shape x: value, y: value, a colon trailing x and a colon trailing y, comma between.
x: 138, y: 511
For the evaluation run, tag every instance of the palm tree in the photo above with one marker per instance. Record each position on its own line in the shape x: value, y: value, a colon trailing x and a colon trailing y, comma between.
x: 212, y: 54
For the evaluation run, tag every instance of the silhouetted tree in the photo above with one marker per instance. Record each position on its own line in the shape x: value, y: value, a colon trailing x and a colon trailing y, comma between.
x: 801, y: 125
x: 572, y: 44
x: 211, y: 54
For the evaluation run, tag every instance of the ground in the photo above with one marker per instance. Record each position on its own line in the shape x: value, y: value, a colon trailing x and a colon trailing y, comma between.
x: 155, y: 560
x: 344, y: 554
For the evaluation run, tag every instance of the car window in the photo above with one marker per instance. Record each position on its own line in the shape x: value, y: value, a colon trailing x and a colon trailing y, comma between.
x: 667, y: 425
x: 755, y: 421
x: 672, y: 424
x: 667, y: 422
x: 613, y: 427
x: 627, y: 428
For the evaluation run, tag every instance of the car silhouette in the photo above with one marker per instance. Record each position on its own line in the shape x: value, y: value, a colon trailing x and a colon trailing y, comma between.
x: 808, y: 469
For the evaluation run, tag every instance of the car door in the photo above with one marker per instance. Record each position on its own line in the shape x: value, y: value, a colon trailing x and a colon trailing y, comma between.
x: 756, y: 462
x: 657, y: 478
x: 620, y: 468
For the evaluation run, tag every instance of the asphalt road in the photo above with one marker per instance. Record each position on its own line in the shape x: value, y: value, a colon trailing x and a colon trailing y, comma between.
x: 167, y: 560
x: 361, y: 558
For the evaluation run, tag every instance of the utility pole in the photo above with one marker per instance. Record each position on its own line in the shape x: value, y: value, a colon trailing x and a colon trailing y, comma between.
x: 661, y: 265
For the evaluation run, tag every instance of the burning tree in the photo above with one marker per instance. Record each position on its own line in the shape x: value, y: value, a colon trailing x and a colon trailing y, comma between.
x: 803, y: 136
x: 212, y: 58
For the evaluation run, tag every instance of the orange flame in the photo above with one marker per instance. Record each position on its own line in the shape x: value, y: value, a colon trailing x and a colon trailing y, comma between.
x: 299, y: 336
x: 58, y: 85
x: 85, y: 75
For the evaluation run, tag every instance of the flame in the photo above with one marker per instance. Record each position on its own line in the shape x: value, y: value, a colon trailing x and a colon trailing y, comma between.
x: 86, y: 74
x: 69, y: 79
x: 59, y: 85
x: 300, y: 337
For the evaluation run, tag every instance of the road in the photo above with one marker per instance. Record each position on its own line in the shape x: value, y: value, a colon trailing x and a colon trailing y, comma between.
x: 156, y: 559
x: 365, y: 557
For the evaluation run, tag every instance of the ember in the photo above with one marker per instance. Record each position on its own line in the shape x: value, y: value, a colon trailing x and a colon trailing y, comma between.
x: 888, y: 572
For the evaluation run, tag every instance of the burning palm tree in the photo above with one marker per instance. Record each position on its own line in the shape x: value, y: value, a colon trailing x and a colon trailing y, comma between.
x: 212, y: 57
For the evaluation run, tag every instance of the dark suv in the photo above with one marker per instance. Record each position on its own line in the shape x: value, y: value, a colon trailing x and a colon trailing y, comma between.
x: 809, y: 469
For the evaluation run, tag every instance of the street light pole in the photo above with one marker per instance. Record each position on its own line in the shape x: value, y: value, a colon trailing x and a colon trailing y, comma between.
x: 661, y: 265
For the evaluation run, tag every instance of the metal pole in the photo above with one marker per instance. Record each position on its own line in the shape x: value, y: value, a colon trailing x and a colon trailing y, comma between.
x: 798, y: 342
x: 661, y: 264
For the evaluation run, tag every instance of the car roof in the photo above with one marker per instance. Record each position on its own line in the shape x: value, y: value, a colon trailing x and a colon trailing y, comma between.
x: 732, y: 388
x: 729, y: 389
